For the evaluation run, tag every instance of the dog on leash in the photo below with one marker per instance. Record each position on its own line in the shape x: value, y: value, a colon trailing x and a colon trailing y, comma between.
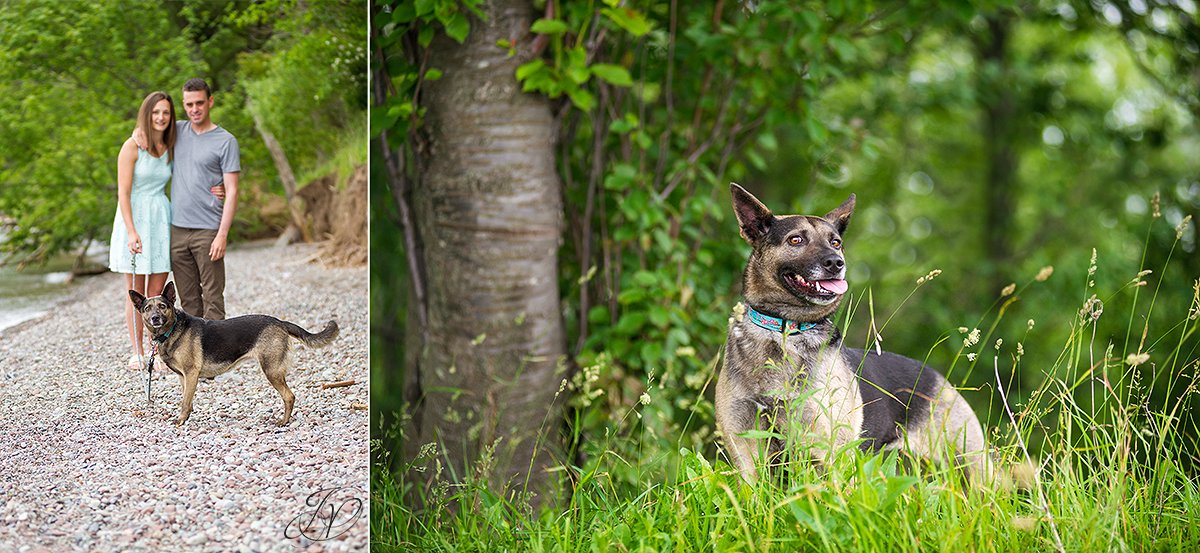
x: 787, y: 373
x: 196, y: 348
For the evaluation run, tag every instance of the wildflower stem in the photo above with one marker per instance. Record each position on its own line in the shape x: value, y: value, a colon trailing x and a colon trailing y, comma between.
x: 1037, y: 480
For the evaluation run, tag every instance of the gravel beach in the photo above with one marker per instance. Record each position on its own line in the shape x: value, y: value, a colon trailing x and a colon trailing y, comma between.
x: 87, y: 465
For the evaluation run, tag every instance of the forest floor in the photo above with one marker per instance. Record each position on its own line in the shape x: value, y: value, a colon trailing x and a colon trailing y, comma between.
x: 88, y: 465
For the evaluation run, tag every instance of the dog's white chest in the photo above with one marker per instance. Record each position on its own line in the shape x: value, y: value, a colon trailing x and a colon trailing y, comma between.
x: 808, y: 383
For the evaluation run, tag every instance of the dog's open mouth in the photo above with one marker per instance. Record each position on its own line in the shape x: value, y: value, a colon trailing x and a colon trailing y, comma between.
x: 816, y: 288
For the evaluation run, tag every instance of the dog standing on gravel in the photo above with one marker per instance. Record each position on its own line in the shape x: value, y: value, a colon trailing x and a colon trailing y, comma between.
x: 195, y: 348
x: 786, y: 370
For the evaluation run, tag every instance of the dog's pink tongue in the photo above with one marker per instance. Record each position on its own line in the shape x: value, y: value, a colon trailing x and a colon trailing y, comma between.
x: 837, y: 286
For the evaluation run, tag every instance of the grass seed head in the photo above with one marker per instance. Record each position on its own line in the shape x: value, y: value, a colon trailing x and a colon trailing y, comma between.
x: 1092, y: 309
x: 1182, y: 226
x: 1136, y: 359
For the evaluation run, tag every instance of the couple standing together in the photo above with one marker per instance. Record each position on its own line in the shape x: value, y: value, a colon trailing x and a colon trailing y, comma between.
x: 188, y: 233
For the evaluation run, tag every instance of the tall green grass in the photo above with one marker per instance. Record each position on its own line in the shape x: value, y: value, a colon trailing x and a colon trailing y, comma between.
x: 1110, y: 468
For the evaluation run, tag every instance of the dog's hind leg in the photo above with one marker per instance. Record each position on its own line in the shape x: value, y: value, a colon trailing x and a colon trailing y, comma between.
x: 274, y: 365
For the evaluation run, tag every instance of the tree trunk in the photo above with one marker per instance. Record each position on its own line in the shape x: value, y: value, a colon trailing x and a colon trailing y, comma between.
x: 489, y: 214
x: 284, y: 168
x: 995, y: 89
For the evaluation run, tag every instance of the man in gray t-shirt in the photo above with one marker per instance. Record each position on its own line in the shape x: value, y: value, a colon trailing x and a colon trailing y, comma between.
x: 206, y: 157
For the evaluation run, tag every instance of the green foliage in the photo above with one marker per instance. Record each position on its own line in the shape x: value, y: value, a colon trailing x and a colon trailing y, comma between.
x: 72, y: 76
x: 324, y: 50
x: 570, y: 71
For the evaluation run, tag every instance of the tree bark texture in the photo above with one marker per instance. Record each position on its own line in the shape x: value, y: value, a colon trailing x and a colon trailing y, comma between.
x: 489, y: 215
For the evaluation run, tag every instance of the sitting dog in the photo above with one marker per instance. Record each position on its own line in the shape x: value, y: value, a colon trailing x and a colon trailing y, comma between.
x: 786, y: 370
x: 195, y: 348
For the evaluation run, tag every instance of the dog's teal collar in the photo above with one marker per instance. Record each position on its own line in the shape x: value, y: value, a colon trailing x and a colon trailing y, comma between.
x: 775, y: 324
x: 163, y: 338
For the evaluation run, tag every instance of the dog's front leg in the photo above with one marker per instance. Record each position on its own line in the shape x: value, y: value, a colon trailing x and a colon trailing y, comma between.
x: 190, y: 380
x: 733, y: 419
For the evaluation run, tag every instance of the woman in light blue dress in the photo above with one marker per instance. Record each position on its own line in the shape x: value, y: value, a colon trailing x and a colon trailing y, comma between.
x: 141, y: 236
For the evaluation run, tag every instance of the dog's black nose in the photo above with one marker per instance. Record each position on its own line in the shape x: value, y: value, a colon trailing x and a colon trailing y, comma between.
x: 834, y: 263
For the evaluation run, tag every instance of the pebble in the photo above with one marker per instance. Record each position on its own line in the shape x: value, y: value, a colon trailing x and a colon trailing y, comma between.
x: 89, y: 466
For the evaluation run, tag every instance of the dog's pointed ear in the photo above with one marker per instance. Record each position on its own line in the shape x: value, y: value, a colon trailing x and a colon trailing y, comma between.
x: 840, y: 216
x: 169, y: 293
x: 137, y: 299
x: 753, y: 217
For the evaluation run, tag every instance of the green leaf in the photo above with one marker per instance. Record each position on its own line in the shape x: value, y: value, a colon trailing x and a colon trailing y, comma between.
x: 811, y: 19
x: 845, y: 50
x: 425, y: 7
x: 549, y: 27
x: 527, y: 69
x: 756, y: 160
x: 896, y: 486
x: 631, y: 295
x: 404, y: 13
x: 816, y: 130
x: 628, y: 123
x: 613, y: 74
x: 651, y: 352
x: 768, y: 141
x: 425, y: 36
x: 835, y: 8
x: 381, y: 120
x: 582, y: 99
x: 645, y: 278
x: 659, y: 316
x: 433, y: 74
x: 629, y: 19
x: 621, y: 177
x: 630, y: 324
x: 457, y: 27
x: 576, y: 66
x: 598, y: 314
x: 761, y: 435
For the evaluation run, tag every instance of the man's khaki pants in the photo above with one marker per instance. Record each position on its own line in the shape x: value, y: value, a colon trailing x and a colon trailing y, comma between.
x: 199, y: 280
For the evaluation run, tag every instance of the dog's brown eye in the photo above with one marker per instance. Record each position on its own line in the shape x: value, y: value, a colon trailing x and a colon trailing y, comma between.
x: 837, y: 244
x: 796, y: 240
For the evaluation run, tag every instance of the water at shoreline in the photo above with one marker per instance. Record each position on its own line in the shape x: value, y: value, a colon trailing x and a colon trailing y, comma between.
x: 27, y: 294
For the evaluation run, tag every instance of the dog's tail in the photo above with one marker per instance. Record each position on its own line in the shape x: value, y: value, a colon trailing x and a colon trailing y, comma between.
x: 322, y: 338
